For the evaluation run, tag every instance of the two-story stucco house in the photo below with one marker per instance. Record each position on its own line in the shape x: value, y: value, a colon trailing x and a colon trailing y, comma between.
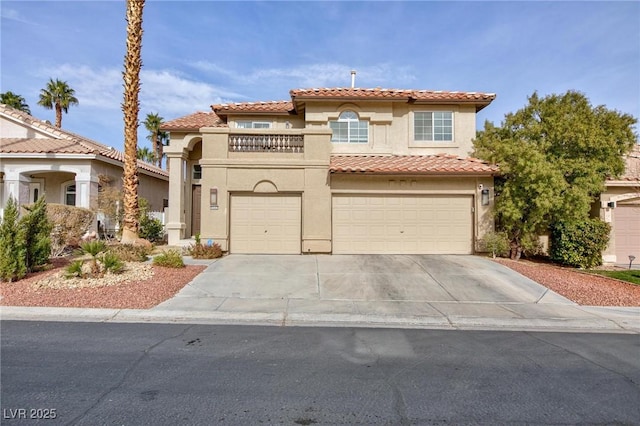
x: 336, y: 170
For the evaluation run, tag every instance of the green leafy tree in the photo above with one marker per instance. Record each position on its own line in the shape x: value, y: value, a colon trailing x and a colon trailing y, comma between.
x: 152, y: 123
x: 13, y: 247
x: 59, y: 96
x: 554, y: 155
x: 37, y: 228
x: 14, y: 101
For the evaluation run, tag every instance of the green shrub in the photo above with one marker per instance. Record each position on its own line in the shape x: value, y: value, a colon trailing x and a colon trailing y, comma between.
x: 200, y: 251
x: 74, y: 269
x: 69, y: 224
x: 13, y: 247
x: 37, y: 228
x: 130, y: 253
x: 112, y: 263
x: 497, y: 243
x: 151, y: 229
x: 579, y: 244
x: 170, y: 258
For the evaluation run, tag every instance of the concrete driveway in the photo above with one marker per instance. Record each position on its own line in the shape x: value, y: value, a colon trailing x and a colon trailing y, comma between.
x: 326, y: 287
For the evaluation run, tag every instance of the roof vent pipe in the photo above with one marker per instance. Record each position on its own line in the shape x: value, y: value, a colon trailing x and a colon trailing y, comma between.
x: 353, y: 79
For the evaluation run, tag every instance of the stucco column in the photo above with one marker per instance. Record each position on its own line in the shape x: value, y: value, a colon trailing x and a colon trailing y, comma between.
x: 16, y: 185
x: 86, y: 189
x: 176, y: 213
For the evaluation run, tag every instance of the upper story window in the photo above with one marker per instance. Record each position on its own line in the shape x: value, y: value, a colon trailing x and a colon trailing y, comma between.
x: 349, y: 129
x: 253, y: 125
x: 433, y: 126
x: 197, y: 172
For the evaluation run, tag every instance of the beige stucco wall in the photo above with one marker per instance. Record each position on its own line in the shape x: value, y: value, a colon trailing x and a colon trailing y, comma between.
x: 11, y: 129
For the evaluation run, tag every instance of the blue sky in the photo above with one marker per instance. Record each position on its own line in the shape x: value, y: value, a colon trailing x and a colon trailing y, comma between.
x: 198, y: 53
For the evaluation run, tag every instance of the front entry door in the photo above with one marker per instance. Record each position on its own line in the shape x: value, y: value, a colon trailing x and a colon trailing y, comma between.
x: 196, y: 202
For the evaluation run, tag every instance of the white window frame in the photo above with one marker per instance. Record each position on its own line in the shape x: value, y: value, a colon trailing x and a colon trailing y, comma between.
x: 65, y: 192
x: 351, y: 120
x: 433, y: 137
x: 250, y: 124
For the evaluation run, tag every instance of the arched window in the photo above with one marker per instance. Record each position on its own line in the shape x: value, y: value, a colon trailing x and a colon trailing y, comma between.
x: 70, y: 195
x: 349, y: 129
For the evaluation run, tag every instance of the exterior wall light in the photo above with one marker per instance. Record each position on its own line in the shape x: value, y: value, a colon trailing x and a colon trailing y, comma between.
x: 485, y: 197
x: 213, y: 198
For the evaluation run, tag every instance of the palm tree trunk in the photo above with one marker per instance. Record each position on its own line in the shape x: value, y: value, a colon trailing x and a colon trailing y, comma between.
x: 131, y: 108
x: 58, y: 115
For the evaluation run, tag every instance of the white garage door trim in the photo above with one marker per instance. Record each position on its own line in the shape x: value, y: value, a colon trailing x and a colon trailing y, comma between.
x: 626, y: 231
x: 402, y: 224
x: 265, y: 224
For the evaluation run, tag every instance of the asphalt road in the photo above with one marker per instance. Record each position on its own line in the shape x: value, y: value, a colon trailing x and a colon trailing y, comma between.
x: 159, y: 374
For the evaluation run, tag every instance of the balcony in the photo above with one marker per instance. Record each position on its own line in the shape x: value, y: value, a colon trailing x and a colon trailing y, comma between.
x: 275, y: 143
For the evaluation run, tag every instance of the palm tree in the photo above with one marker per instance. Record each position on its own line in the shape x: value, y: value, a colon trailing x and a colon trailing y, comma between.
x: 14, y: 101
x: 145, y: 154
x: 131, y: 108
x: 157, y: 137
x: 58, y: 95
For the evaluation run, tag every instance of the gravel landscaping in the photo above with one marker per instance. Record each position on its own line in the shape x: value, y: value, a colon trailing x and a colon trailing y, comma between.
x: 142, y: 286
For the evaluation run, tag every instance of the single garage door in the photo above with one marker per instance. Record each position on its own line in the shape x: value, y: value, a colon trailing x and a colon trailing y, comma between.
x: 369, y: 224
x: 627, y: 232
x: 268, y: 224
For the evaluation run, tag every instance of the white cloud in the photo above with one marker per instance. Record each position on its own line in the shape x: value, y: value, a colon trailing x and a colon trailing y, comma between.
x: 13, y: 15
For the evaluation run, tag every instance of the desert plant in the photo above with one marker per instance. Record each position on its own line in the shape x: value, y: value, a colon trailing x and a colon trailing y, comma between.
x: 170, y: 258
x: 13, y: 247
x: 37, y: 228
x: 111, y: 263
x: 69, y: 224
x: 74, y: 269
x: 496, y: 242
x: 579, y: 244
x: 93, y: 249
x: 130, y: 253
x: 204, y: 251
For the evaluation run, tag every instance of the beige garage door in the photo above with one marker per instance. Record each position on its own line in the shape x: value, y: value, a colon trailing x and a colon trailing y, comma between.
x: 367, y: 224
x: 627, y: 232
x: 267, y: 224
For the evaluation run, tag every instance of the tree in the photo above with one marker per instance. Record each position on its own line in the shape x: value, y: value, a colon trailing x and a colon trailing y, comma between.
x: 58, y: 95
x: 14, y: 101
x: 157, y: 137
x: 145, y: 154
x: 37, y: 228
x: 13, y: 248
x: 554, y: 156
x: 131, y: 108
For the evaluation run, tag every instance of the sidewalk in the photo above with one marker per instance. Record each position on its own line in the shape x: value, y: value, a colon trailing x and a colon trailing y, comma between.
x: 297, y: 296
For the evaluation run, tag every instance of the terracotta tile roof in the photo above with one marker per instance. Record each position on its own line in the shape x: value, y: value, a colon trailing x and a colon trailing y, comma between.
x: 60, y: 142
x: 409, y: 164
x: 254, y: 107
x: 378, y: 93
x: 194, y: 122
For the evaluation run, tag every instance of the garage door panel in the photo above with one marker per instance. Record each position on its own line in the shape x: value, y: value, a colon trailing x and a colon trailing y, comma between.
x: 265, y: 224
x: 627, y: 231
x: 402, y: 224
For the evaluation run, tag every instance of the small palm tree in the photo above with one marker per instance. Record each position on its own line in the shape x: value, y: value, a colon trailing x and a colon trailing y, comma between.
x: 157, y: 137
x: 145, y: 154
x: 14, y: 101
x: 130, y: 109
x: 59, y: 96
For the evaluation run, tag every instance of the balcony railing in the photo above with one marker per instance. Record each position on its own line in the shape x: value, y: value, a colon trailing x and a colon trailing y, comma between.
x: 266, y: 143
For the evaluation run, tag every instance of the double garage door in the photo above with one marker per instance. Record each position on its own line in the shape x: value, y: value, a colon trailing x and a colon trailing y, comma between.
x: 362, y: 224
x: 409, y: 224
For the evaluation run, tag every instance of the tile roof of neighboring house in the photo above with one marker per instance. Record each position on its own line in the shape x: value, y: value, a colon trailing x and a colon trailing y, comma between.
x: 409, y: 164
x: 60, y: 142
x: 255, y: 107
x: 194, y: 122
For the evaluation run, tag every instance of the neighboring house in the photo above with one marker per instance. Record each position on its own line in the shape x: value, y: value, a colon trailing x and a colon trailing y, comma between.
x: 620, y: 206
x: 339, y: 170
x: 37, y: 158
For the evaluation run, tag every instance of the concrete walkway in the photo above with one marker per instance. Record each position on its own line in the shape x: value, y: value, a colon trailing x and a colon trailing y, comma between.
x: 411, y: 291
